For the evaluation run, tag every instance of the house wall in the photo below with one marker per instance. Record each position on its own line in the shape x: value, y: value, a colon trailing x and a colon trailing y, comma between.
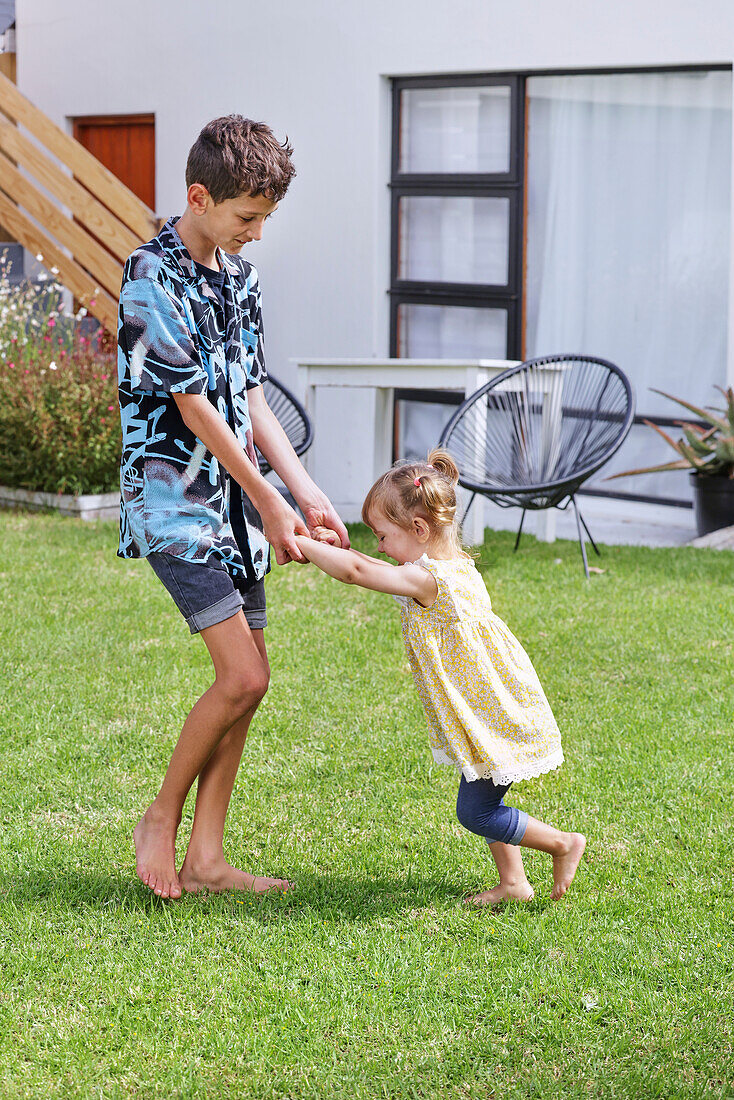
x: 318, y: 71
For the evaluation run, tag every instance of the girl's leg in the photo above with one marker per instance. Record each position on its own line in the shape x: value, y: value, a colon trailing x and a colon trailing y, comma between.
x: 513, y: 880
x: 205, y: 866
x: 241, y: 680
x: 566, y: 849
x: 480, y: 808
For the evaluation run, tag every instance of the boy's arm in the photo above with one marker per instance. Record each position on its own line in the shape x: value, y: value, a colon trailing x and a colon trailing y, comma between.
x: 271, y: 439
x: 280, y: 522
x: 351, y: 567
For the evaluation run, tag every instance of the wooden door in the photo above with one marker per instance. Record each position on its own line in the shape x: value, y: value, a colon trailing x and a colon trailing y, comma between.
x: 126, y: 145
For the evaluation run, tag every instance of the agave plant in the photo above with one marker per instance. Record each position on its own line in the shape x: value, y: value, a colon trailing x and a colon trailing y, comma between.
x: 708, y: 449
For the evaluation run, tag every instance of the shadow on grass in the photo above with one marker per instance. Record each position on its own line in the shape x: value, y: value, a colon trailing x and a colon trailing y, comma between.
x: 326, y: 897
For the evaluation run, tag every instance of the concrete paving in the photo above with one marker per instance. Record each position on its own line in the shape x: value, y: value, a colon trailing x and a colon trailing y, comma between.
x: 717, y: 540
x: 613, y: 522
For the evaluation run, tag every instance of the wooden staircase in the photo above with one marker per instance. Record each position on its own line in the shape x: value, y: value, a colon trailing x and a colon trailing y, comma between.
x: 62, y: 204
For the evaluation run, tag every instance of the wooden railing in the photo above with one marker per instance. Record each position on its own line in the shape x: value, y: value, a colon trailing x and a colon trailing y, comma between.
x: 61, y: 203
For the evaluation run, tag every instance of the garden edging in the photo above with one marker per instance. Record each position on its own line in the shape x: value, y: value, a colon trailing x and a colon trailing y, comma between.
x: 86, y: 506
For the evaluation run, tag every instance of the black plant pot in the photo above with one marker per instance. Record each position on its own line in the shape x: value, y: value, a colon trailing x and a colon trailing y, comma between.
x: 713, y: 501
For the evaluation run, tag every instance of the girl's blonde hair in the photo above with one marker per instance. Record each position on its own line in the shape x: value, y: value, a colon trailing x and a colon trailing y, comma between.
x: 426, y: 489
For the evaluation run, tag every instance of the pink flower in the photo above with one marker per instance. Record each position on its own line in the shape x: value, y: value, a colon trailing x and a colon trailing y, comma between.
x: 13, y: 339
x: 51, y: 322
x: 12, y: 366
x: 82, y: 339
x: 104, y: 378
x: 47, y: 338
x: 110, y: 408
x: 102, y: 420
x: 63, y: 353
x: 92, y: 301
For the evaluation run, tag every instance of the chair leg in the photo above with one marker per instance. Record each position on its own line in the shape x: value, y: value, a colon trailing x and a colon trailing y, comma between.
x: 466, y: 513
x: 519, y: 530
x: 588, y: 534
x: 581, y: 538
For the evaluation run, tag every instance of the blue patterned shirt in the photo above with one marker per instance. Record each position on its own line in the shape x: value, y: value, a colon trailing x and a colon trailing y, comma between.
x: 172, y: 338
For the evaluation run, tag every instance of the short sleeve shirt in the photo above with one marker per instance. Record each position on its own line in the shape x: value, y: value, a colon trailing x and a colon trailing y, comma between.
x: 173, y: 337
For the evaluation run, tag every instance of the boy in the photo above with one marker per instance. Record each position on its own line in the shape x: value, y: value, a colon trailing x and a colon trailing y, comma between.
x: 191, y: 367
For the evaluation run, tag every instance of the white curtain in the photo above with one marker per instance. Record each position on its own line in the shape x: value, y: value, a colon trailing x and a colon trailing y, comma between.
x: 628, y: 236
x: 455, y: 129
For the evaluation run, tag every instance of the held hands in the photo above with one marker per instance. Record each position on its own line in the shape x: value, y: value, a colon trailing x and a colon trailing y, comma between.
x: 282, y: 525
x: 325, y: 534
x: 324, y: 524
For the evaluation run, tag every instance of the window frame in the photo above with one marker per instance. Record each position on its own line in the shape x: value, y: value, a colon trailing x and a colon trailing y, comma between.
x: 491, y: 184
x: 509, y: 185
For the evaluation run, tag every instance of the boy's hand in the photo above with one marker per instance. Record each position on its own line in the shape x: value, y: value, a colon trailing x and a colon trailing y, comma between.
x: 281, y: 525
x: 321, y: 514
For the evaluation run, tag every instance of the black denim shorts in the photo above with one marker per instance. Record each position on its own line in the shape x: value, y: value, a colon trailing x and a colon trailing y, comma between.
x: 206, y: 594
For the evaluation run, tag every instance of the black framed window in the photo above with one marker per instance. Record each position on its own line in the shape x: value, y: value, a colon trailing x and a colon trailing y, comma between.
x: 457, y: 218
x: 509, y: 232
x: 457, y: 192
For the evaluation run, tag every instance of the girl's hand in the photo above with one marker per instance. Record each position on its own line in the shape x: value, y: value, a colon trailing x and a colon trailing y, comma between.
x: 325, y: 534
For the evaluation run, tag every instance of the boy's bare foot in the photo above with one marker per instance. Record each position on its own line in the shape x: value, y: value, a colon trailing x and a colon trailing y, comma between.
x: 155, y: 855
x: 516, y: 891
x: 221, y: 876
x: 564, y: 865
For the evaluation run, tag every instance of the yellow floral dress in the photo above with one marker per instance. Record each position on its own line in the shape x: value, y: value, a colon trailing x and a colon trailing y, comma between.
x: 487, y: 713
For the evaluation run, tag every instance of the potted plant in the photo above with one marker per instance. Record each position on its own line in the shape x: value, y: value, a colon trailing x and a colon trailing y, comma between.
x: 707, y: 450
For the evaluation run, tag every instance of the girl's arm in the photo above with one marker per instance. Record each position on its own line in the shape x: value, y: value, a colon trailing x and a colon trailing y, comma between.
x: 351, y: 567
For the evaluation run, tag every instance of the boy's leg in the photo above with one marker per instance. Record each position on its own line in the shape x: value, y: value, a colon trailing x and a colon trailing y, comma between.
x: 205, y: 866
x: 241, y: 680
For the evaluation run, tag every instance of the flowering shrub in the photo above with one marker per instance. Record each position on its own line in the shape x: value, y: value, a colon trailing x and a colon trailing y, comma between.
x: 59, y: 422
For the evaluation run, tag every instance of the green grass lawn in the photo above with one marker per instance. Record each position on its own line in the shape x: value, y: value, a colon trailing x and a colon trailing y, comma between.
x: 370, y: 980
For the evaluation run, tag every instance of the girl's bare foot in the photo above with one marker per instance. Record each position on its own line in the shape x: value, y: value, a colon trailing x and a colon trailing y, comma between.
x: 564, y: 865
x: 155, y: 854
x: 220, y: 876
x: 516, y: 891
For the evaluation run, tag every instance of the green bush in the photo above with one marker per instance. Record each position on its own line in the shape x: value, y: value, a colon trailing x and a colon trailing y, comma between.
x: 59, y: 421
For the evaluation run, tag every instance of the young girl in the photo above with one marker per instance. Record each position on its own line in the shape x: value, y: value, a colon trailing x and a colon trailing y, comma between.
x: 486, y: 710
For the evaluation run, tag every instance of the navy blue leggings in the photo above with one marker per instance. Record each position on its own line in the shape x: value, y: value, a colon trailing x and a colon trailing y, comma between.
x: 481, y: 809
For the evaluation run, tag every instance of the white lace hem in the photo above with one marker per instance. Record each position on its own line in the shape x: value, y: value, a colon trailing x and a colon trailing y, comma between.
x: 502, y: 778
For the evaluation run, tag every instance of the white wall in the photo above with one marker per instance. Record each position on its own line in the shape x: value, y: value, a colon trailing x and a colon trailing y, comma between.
x: 318, y: 69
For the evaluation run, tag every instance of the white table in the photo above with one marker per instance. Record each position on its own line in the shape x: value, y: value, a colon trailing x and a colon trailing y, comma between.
x: 384, y: 376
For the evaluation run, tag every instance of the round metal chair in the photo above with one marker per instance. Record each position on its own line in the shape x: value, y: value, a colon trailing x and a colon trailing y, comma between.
x: 531, y: 436
x: 292, y: 417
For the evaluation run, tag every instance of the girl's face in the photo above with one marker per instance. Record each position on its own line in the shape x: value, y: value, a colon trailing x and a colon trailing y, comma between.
x: 400, y: 543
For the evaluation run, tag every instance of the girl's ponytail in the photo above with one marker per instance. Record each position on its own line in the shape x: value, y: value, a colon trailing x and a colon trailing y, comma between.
x: 426, y: 489
x: 444, y: 464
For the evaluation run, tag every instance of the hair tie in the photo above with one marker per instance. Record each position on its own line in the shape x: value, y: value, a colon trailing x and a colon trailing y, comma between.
x: 417, y: 481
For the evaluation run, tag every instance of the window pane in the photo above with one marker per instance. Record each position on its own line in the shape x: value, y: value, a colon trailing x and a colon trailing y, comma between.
x: 628, y: 235
x: 454, y: 239
x: 455, y: 129
x: 419, y: 427
x: 451, y: 332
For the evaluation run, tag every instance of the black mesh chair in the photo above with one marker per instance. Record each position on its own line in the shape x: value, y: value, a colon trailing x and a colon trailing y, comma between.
x: 536, y: 432
x: 292, y: 417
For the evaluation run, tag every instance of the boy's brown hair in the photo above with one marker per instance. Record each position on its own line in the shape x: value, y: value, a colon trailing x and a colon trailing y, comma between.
x: 235, y: 156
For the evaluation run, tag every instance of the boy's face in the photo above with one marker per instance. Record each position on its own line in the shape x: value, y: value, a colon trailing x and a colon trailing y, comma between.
x: 232, y: 223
